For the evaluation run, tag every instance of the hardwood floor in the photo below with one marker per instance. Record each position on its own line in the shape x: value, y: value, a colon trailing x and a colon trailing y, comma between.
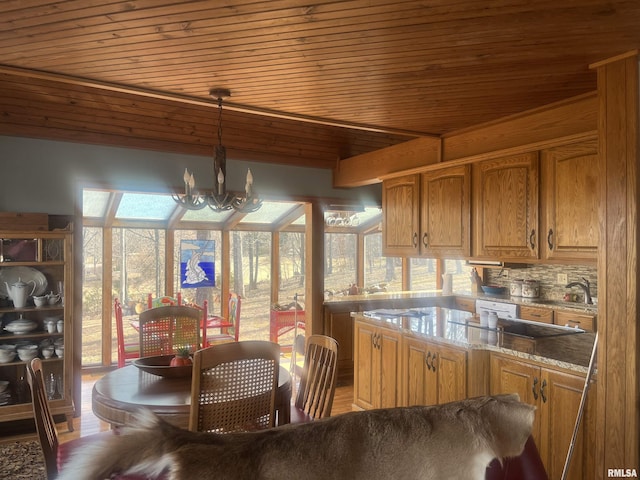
x: 88, y: 423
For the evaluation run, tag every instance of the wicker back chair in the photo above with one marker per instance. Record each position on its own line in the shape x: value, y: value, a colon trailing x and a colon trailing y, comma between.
x: 163, y: 330
x: 234, y: 386
x: 317, y: 386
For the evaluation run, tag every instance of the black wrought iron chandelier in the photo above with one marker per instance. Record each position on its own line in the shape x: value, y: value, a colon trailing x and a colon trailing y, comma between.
x: 219, y: 200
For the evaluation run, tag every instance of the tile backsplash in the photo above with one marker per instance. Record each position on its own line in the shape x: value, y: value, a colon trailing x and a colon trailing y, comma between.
x: 547, y: 275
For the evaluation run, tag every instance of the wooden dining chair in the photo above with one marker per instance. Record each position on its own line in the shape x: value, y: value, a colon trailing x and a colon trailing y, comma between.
x: 57, y: 454
x: 314, y: 397
x: 229, y: 327
x: 126, y: 350
x: 233, y: 388
x: 163, y: 330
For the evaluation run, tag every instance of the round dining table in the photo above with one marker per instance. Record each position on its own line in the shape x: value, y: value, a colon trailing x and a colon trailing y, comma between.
x: 122, y: 392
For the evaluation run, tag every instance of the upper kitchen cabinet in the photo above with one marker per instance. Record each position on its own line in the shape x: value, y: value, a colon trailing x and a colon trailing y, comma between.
x: 570, y: 202
x: 445, y: 222
x: 505, y: 206
x: 401, y: 215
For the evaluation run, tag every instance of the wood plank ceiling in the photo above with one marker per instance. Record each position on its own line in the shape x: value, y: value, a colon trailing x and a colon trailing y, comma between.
x: 311, y: 82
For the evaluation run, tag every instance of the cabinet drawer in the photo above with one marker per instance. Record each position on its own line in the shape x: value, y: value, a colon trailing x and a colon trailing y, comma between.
x: 465, y: 304
x: 581, y: 320
x: 536, y: 314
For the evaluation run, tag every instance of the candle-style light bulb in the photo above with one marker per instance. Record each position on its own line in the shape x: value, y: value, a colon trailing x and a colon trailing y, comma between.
x: 220, y: 181
x: 186, y: 177
x: 192, y: 181
x: 249, y: 182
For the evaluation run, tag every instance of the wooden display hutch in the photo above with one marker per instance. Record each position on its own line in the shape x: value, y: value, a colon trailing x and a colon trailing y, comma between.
x: 46, y: 258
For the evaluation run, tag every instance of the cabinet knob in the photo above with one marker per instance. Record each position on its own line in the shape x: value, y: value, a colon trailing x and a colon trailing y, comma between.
x: 550, y: 239
x: 533, y: 389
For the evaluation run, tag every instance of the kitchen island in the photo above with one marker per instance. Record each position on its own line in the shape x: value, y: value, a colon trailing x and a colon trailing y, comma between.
x: 434, y: 355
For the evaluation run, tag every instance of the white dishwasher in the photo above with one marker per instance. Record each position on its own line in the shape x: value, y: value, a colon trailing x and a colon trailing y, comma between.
x: 503, y: 310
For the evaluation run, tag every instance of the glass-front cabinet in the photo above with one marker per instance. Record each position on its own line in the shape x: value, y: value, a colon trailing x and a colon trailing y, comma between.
x: 36, y: 282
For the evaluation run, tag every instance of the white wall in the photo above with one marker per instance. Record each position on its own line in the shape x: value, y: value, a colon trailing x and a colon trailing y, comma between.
x: 45, y: 176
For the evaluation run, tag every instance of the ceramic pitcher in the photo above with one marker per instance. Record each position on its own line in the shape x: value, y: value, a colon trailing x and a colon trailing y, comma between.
x: 20, y: 291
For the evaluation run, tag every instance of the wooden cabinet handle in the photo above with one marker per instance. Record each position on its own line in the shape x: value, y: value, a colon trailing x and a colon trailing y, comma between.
x: 550, y: 239
x: 433, y: 362
x: 415, y: 239
x: 425, y: 239
x: 533, y: 389
x: 532, y: 240
x: 542, y: 394
x: 426, y: 360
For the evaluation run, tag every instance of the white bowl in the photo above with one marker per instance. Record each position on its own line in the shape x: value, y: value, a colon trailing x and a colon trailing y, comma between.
x: 7, y: 356
x: 3, y: 385
x: 8, y: 346
x: 27, y: 356
x: 47, y: 352
x: 60, y: 351
x: 40, y: 301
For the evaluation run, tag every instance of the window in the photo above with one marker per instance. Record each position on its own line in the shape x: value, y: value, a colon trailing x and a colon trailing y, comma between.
x: 379, y: 270
x: 339, y: 261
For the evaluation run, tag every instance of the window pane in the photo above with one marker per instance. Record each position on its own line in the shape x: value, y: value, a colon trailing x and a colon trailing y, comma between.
x: 422, y: 274
x: 292, y: 266
x: 251, y: 279
x: 199, y: 294
x: 461, y: 274
x: 92, y: 276
x: 340, y: 261
x: 138, y: 265
x: 379, y: 270
x: 138, y: 270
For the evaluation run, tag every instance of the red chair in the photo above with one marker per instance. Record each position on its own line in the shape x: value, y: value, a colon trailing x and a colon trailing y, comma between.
x: 163, y: 301
x: 229, y: 328
x: 527, y: 466
x: 126, y: 350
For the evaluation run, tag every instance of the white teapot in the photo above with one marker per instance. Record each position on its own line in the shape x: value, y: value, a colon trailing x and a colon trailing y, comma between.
x: 19, y: 292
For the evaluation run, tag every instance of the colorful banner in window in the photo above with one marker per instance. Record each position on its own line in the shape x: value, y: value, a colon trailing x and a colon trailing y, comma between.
x: 197, y: 263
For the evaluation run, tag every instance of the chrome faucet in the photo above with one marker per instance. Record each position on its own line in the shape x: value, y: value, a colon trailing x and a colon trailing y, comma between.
x: 585, y: 287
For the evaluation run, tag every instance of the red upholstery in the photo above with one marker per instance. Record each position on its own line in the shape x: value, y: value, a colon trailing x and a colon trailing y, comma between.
x: 527, y: 466
x: 126, y: 351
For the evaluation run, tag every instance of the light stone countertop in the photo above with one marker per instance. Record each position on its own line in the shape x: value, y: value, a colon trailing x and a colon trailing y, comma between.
x: 454, y: 327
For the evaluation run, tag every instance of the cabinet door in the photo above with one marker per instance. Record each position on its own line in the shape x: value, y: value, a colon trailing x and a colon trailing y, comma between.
x: 364, y: 377
x: 339, y: 325
x: 401, y: 215
x: 446, y: 212
x: 505, y: 198
x: 449, y: 366
x: 560, y: 394
x: 415, y: 362
x: 389, y: 367
x: 570, y: 202
x: 512, y: 376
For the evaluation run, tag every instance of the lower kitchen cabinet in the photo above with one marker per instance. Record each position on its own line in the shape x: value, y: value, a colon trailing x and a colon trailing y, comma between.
x: 339, y: 325
x: 556, y: 396
x: 433, y: 373
x: 377, y: 366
